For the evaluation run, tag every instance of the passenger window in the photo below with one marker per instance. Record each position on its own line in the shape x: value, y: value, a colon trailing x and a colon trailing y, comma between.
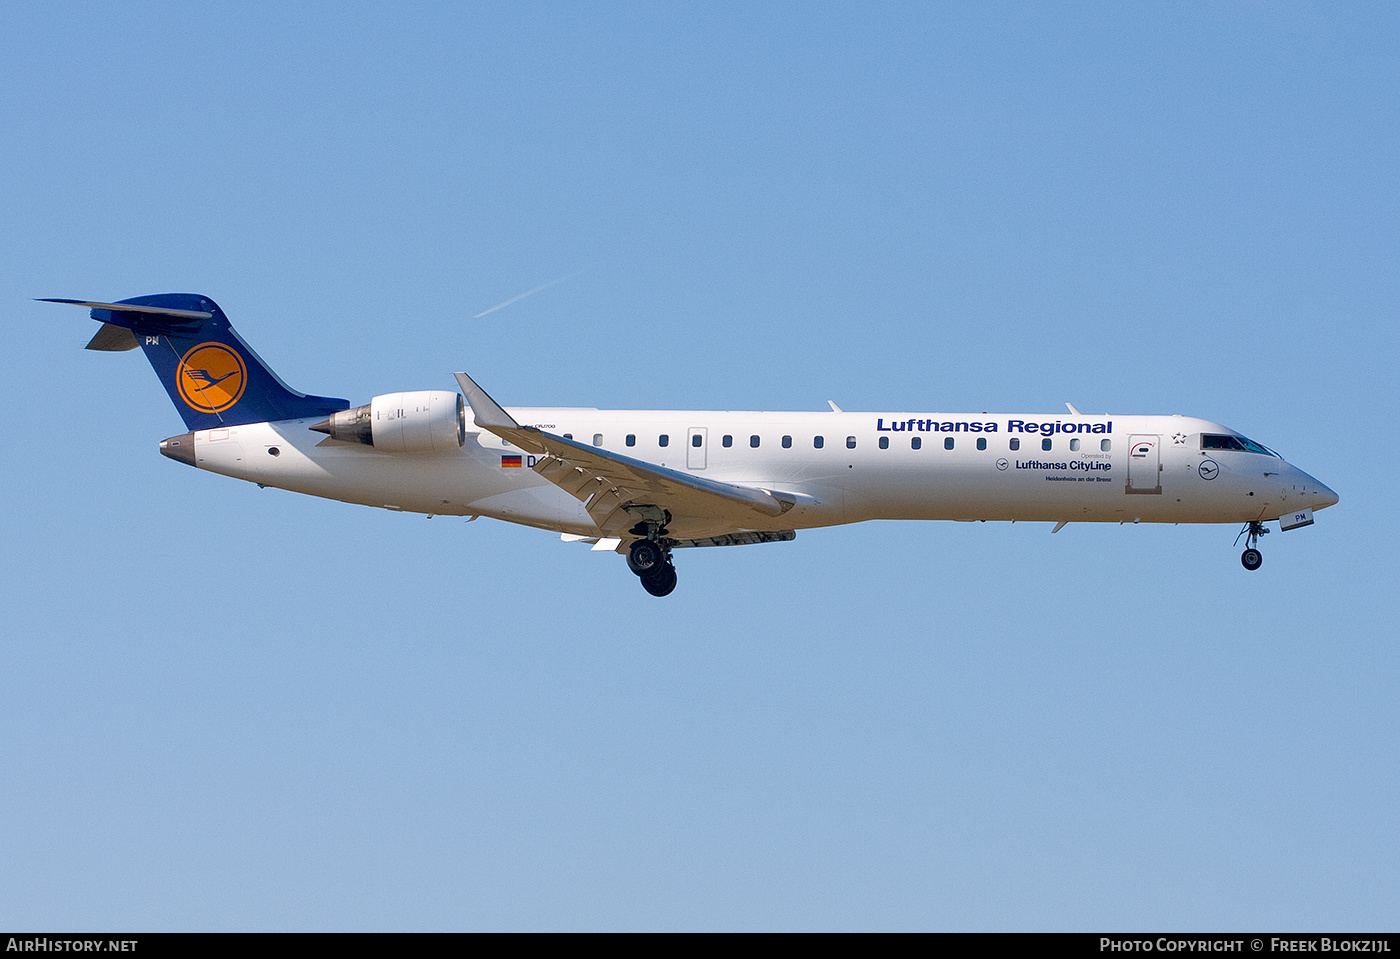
x: 787, y: 442
x: 1015, y: 443
x: 1045, y: 444
x: 947, y: 442
x: 727, y: 442
x: 696, y: 440
x: 1074, y: 445
x: 915, y: 442
x: 597, y: 439
x: 631, y: 439
x: 568, y: 436
x: 981, y: 442
x: 1105, y: 445
x: 818, y: 442
x: 884, y: 442
x: 753, y: 441
x: 850, y: 442
x: 663, y: 440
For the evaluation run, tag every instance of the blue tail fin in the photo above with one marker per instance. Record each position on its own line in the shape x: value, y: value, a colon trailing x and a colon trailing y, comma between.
x: 212, y: 376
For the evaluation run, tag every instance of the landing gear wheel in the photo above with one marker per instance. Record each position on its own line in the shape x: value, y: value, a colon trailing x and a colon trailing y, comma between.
x: 645, y: 557
x: 1251, y: 558
x: 661, y: 582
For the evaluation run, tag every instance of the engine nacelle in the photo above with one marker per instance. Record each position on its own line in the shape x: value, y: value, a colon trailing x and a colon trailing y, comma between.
x: 425, y: 421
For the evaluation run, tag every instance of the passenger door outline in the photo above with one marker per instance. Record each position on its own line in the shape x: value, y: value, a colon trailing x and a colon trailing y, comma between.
x: 1144, y: 463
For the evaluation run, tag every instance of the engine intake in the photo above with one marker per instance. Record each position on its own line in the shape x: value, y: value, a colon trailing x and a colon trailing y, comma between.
x: 426, y: 421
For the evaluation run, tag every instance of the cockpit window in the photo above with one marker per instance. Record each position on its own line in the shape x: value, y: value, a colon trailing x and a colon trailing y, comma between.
x: 1219, y: 441
x: 1230, y: 441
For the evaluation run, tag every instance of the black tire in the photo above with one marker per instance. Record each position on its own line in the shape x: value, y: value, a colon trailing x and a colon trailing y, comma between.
x: 661, y: 582
x: 1251, y: 559
x: 645, y: 557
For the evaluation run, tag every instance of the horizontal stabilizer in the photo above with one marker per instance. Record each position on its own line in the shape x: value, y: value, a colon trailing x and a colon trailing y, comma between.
x: 132, y: 308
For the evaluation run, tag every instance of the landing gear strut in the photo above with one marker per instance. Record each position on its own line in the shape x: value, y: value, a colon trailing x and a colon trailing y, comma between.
x: 647, y: 558
x: 1251, y: 559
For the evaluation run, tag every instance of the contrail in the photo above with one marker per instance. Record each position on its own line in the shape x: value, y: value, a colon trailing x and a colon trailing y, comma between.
x: 516, y: 299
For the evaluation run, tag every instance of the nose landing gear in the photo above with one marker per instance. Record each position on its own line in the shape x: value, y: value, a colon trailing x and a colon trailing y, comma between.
x: 1251, y: 559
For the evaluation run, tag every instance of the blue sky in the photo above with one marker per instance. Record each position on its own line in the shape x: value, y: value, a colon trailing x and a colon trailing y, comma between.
x: 233, y: 708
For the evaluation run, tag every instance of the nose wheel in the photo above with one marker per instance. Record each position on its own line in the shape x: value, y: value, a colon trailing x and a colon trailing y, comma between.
x: 647, y: 558
x: 1251, y: 559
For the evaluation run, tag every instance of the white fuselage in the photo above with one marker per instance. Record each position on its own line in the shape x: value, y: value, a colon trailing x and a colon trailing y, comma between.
x: 1095, y: 469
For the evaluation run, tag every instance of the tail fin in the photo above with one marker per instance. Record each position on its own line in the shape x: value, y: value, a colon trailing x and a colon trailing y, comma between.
x: 212, y: 376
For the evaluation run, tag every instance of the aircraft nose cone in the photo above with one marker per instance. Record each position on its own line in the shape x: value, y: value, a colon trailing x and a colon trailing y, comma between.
x: 1324, y: 497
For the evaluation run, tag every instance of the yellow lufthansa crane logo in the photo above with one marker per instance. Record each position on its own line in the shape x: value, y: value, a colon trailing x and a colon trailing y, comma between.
x: 211, y: 377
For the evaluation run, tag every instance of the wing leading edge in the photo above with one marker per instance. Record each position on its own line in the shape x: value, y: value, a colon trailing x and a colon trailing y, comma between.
x: 618, y: 491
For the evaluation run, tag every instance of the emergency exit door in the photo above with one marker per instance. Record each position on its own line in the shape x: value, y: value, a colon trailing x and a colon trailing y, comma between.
x: 695, y: 448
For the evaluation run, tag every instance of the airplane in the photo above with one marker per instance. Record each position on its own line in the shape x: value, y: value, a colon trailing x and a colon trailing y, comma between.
x: 646, y: 483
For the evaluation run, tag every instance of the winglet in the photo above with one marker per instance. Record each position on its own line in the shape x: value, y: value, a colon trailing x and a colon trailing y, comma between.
x: 485, y: 411
x: 834, y: 407
x: 1072, y: 409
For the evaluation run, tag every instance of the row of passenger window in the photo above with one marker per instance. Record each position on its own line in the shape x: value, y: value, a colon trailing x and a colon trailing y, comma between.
x: 915, y: 442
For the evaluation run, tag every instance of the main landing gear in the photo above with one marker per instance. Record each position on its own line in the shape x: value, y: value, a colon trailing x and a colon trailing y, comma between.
x: 647, y: 558
x: 1251, y: 558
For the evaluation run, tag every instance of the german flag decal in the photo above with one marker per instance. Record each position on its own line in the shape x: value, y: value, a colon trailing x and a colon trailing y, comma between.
x: 510, y: 462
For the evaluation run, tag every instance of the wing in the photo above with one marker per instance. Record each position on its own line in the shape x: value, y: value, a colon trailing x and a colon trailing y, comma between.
x: 619, y: 492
